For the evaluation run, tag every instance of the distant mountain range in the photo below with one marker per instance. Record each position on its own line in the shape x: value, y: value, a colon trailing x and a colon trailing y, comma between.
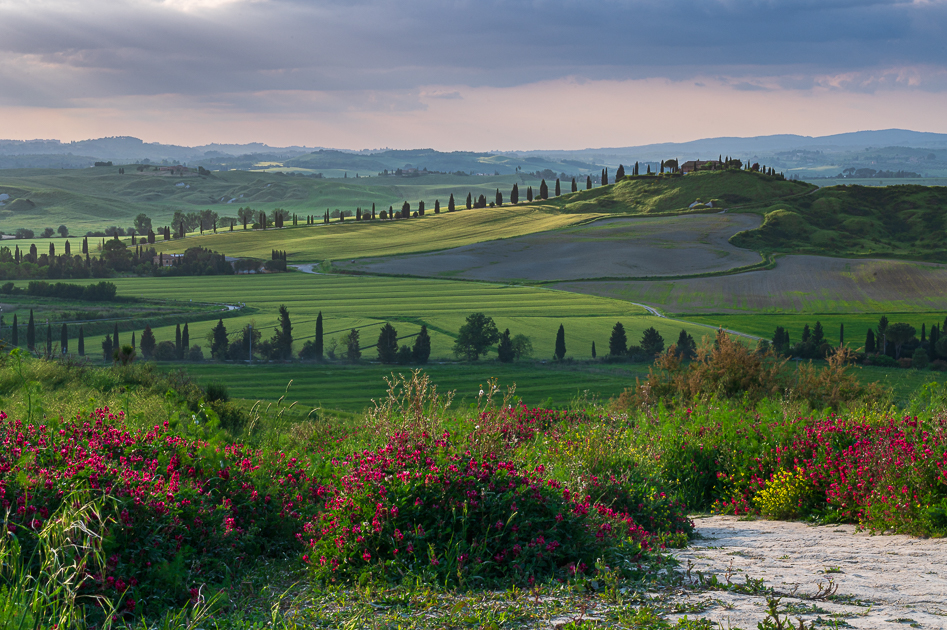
x: 884, y: 151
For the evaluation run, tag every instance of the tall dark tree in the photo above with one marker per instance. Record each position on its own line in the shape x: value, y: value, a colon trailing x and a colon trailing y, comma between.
x: 505, y: 348
x: 543, y: 190
x: 818, y: 335
x: 148, y: 343
x: 107, y: 348
x: 49, y: 339
x: 31, y: 333
x: 80, y: 346
x: 560, y: 351
x: 593, y: 349
x: 353, y: 351
x: 469, y: 201
x: 388, y: 344
x: 558, y: 188
x: 185, y: 342
x: 620, y: 173
x: 499, y: 198
x: 219, y: 342
x: 686, y: 347
x: 283, y: 339
x: 421, y: 351
x: 618, y: 342
x: 841, y: 335
x: 115, y: 342
x: 588, y: 182
x: 870, y: 342
x: 529, y: 193
x: 133, y: 339
x: 652, y: 343
x: 177, y: 342
x: 450, y: 203
x: 780, y: 339
x: 923, y: 333
x: 63, y: 339
x: 15, y: 338
x: 515, y: 195
x: 318, y: 342
x: 806, y: 333
x: 604, y: 177
x: 437, y: 206
x: 575, y: 187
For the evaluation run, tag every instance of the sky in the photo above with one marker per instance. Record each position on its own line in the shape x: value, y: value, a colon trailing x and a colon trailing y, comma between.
x: 468, y: 74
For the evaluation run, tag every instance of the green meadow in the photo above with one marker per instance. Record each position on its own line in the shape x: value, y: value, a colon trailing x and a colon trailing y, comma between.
x: 366, y: 303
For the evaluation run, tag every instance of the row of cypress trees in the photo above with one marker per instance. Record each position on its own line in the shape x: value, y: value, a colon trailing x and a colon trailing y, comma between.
x: 31, y: 336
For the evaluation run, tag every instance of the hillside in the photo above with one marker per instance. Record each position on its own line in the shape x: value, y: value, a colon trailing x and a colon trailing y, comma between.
x: 95, y: 198
x: 856, y: 221
x: 651, y: 194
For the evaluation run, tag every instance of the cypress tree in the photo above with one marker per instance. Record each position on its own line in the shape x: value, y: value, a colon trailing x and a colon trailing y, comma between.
x: 133, y: 339
x: 219, y: 343
x: 185, y: 342
x: 529, y: 193
x: 81, y: 343
x: 841, y: 335
x: 31, y: 333
x: 593, y: 349
x: 620, y: 173
x: 421, y: 351
x: 588, y: 182
x: 318, y: 342
x: 469, y: 201
x: 575, y: 187
x: 515, y: 195
x: 618, y: 342
x: 49, y: 339
x: 68, y: 249
x: 387, y: 344
x: 107, y: 348
x: 543, y: 190
x: 437, y: 206
x: 499, y: 198
x: 505, y: 352
x: 818, y: 335
x: 177, y: 341
x: 558, y: 188
x: 115, y: 342
x: 560, y: 343
x: 605, y: 177
x: 64, y: 339
x: 806, y: 335
x: 870, y: 342
x: 450, y: 203
x: 923, y: 333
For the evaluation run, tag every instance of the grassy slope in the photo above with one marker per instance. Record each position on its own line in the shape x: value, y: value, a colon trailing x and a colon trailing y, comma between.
x: 654, y: 194
x: 854, y: 221
x: 352, y: 239
x: 352, y: 388
x: 94, y: 198
x: 367, y: 302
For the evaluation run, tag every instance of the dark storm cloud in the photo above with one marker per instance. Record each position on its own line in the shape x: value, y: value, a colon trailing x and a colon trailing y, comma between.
x: 232, y: 54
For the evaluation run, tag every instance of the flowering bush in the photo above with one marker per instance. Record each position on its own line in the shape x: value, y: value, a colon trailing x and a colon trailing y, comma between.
x: 786, y: 495
x: 420, y: 506
x: 181, y: 512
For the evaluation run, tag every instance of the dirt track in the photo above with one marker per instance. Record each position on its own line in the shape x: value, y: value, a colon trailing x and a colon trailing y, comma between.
x: 631, y: 248
x: 883, y: 581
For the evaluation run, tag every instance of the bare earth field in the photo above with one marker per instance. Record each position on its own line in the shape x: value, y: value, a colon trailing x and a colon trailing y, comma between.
x: 610, y: 248
x: 885, y: 581
x: 798, y: 283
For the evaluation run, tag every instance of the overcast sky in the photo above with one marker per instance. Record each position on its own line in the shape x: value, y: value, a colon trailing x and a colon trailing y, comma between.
x: 472, y: 75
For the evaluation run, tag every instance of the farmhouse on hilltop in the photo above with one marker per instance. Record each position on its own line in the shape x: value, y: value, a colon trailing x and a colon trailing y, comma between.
x: 701, y: 165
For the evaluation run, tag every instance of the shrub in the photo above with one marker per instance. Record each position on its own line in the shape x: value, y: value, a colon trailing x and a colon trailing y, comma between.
x: 787, y: 495
x: 920, y: 360
x: 165, y: 351
x: 424, y: 508
x: 195, y: 353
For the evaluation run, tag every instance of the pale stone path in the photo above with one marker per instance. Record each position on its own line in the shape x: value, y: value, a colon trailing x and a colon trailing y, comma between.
x: 884, y: 581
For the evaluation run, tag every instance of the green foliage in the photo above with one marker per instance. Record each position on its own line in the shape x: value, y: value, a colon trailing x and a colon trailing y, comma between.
x: 475, y: 336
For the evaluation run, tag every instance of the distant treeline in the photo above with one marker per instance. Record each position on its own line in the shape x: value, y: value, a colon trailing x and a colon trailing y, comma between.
x: 100, y: 292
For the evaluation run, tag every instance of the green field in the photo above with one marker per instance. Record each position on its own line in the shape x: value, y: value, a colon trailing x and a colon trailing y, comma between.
x: 95, y: 198
x: 352, y: 388
x: 366, y: 303
x: 355, y: 239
